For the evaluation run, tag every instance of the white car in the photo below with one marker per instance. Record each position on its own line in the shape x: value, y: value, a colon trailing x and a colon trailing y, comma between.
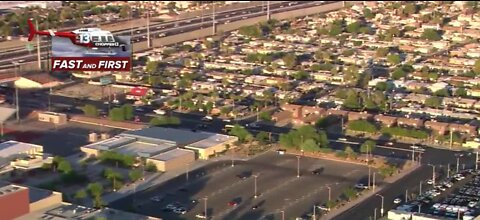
x: 253, y: 125
x: 390, y: 143
x: 472, y: 204
x: 207, y: 118
x: 429, y: 182
x: 201, y: 216
x: 159, y: 112
x: 361, y: 186
x: 397, y: 201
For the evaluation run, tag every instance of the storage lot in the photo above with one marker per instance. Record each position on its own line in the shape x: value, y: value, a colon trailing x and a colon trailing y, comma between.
x: 278, y: 188
x: 450, y: 197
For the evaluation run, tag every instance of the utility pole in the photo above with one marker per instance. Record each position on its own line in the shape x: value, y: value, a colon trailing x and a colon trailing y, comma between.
x: 213, y: 19
x: 373, y: 181
x: 268, y: 10
x: 17, y: 103
x: 298, y: 166
x: 39, y: 60
x: 476, y: 161
x: 148, y: 29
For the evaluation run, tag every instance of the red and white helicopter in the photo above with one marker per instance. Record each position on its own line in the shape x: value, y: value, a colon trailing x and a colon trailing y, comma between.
x: 93, y: 38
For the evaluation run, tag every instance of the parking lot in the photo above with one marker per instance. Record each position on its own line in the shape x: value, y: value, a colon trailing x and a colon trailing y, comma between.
x: 456, y: 196
x: 229, y: 192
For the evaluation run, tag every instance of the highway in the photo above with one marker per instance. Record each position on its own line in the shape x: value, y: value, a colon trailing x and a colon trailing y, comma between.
x: 172, y: 28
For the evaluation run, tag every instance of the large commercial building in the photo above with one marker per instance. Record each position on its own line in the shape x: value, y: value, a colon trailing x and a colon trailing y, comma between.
x: 19, y: 155
x: 167, y: 148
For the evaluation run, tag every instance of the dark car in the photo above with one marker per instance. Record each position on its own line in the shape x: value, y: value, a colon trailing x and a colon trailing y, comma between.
x: 317, y: 171
x: 244, y: 175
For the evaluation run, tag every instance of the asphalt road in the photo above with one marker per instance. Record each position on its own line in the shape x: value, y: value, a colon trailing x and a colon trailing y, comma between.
x: 278, y: 188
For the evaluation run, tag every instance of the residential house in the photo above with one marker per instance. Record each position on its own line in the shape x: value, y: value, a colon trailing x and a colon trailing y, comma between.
x: 439, y: 127
x: 388, y: 121
x: 467, y: 129
x: 353, y: 116
x: 411, y: 122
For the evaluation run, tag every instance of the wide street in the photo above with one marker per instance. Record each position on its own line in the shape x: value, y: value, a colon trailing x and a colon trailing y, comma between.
x: 278, y: 188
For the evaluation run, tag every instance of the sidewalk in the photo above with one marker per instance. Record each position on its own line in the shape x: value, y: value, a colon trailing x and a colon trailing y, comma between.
x: 332, y: 214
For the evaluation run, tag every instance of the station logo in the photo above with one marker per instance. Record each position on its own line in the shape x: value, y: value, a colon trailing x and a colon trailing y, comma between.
x: 87, y: 49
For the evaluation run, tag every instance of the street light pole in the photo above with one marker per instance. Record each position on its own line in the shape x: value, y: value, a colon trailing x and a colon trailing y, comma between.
x: 205, y: 208
x: 298, y: 166
x: 381, y: 209
x: 17, y: 103
x: 255, y: 186
x: 433, y: 173
x: 329, y: 193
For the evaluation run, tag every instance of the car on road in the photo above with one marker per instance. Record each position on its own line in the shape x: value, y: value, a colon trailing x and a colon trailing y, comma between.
x: 232, y: 203
x: 180, y: 210
x: 281, y: 151
x: 342, y: 139
x: 244, y: 175
x: 317, y: 171
x: 397, y: 201
x: 207, y: 118
x: 156, y: 199
x: 159, y: 112
x: 389, y: 143
x: 361, y: 186
x: 139, y: 109
x: 253, y: 125
x: 201, y: 215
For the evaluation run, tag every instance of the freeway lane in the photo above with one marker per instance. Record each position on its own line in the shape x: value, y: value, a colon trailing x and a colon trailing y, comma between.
x: 170, y: 29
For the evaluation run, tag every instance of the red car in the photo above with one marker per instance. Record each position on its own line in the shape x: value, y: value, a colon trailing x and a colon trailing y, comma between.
x: 232, y: 203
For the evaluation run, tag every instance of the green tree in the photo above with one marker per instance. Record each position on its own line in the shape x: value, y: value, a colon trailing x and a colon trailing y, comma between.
x: 431, y: 34
x: 240, y: 132
x: 362, y: 125
x: 393, y: 59
x: 128, y: 111
x: 352, y: 101
x: 476, y: 67
x: 349, y: 193
x: 368, y: 146
x: 125, y: 11
x: 80, y: 195
x: 310, y: 145
x: 117, y: 114
x: 90, y: 110
x: 152, y: 67
x: 350, y: 152
x: 290, y: 60
x: 398, y: 73
x: 433, y: 102
x: 262, y: 137
x: 382, y: 86
x: 354, y: 27
x: 442, y: 93
x: 335, y: 28
x: 64, y: 167
x: 323, y: 139
x: 95, y: 189
x: 461, y: 92
x: 382, y: 52
x: 410, y: 8
x: 368, y: 13
x: 151, y: 167
x: 301, y: 75
x: 265, y: 116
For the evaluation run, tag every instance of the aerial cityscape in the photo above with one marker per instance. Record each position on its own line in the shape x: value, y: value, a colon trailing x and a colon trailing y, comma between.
x: 240, y: 110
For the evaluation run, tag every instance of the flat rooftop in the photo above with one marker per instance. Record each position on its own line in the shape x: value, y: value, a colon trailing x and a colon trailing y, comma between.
x: 178, y: 136
x: 34, y: 194
x: 10, y: 188
x: 11, y: 148
x: 211, y: 141
x: 72, y: 211
x: 144, y: 149
x: 111, y: 143
x: 172, y: 154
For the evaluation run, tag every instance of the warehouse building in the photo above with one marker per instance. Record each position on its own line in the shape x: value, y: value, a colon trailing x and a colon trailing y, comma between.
x: 173, y: 159
x: 163, y: 146
x: 212, y: 145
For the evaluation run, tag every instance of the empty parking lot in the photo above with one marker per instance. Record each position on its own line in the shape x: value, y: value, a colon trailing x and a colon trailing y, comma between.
x: 277, y: 188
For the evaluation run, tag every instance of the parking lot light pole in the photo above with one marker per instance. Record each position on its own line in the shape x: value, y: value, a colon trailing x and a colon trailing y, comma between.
x: 433, y: 173
x: 458, y: 163
x: 369, y: 176
x: 186, y: 174
x: 313, y: 216
x: 375, y: 214
x: 329, y: 193
x: 419, y: 207
x: 373, y: 186
x: 283, y: 214
x: 255, y: 186
x: 205, y: 208
x: 420, y: 191
x: 448, y: 171
x: 383, y: 199
x: 298, y: 166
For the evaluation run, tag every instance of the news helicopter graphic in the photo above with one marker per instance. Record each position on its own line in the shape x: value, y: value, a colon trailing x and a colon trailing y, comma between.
x: 84, y: 42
